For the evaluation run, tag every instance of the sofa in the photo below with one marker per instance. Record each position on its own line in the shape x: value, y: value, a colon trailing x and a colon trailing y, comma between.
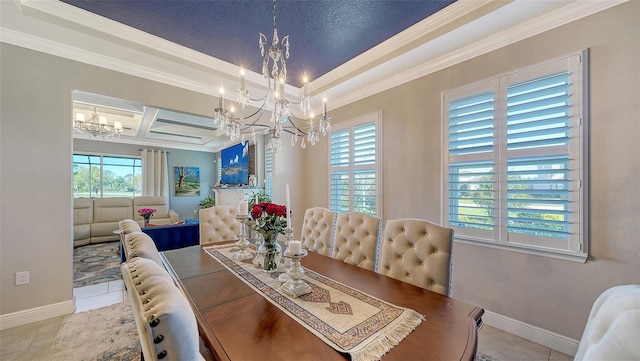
x: 95, y: 219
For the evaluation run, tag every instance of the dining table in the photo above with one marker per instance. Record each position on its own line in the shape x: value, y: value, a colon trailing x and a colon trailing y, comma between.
x: 237, y: 323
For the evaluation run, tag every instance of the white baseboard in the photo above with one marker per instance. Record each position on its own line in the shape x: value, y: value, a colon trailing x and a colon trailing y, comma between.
x: 532, y: 333
x: 36, y: 314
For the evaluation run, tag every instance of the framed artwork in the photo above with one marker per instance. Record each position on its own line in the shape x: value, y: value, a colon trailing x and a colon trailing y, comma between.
x: 187, y: 181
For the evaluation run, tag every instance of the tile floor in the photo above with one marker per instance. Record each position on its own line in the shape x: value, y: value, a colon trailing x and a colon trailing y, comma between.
x: 33, y: 341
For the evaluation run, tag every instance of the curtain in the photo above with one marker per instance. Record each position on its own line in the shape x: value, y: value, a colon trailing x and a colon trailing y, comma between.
x: 155, y: 173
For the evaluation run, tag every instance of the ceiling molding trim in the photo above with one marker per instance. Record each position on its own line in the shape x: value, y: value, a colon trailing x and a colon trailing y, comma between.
x: 100, y: 60
x: 554, y: 19
x: 454, y: 11
x: 127, y: 33
x: 157, y: 144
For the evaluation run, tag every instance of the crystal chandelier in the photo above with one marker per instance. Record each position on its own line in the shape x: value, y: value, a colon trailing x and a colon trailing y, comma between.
x: 274, y: 70
x: 97, y: 126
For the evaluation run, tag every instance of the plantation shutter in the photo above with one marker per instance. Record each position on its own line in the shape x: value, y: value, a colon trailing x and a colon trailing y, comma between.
x: 538, y: 185
x: 354, y: 168
x: 340, y: 180
x: 471, y: 139
x: 268, y: 171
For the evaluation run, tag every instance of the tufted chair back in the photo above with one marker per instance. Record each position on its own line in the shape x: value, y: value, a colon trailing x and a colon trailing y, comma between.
x: 140, y: 244
x: 129, y: 225
x: 317, y: 230
x: 218, y: 224
x: 357, y: 239
x: 167, y: 327
x: 417, y: 252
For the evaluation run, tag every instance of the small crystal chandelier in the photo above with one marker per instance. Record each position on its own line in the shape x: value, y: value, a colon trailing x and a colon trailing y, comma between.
x: 274, y: 70
x: 97, y: 126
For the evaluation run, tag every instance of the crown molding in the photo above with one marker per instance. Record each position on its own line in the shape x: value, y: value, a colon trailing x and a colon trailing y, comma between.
x: 433, y: 23
x: 342, y: 93
x: 562, y: 16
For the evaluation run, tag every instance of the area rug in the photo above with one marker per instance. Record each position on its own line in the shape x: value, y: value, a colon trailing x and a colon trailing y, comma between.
x: 107, y: 333
x: 96, y: 263
x: 484, y: 357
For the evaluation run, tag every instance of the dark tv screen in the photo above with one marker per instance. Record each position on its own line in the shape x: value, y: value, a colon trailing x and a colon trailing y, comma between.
x: 235, y: 164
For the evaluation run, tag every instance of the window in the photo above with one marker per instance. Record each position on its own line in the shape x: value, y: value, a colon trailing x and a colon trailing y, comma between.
x: 354, y: 166
x: 268, y: 171
x: 99, y: 176
x: 516, y: 160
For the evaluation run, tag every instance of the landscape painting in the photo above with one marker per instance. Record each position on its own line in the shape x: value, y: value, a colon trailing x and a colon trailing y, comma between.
x: 187, y: 181
x: 235, y: 164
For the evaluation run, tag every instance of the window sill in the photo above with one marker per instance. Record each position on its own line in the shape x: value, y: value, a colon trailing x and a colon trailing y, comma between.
x: 520, y: 248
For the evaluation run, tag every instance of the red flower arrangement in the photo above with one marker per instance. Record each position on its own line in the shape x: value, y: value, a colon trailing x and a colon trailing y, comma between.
x: 270, y: 218
x: 146, y: 213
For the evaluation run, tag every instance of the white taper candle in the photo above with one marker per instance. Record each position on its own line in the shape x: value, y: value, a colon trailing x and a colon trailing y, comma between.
x: 288, y: 209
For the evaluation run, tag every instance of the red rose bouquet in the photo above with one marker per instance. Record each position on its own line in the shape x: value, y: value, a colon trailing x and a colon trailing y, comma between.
x: 270, y: 218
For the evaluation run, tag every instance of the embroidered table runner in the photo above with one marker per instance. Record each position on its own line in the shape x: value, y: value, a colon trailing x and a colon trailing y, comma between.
x: 346, y: 319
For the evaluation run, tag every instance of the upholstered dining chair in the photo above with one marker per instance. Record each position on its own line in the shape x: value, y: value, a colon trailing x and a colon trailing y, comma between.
x: 317, y: 230
x: 356, y: 239
x: 218, y: 224
x: 613, y: 327
x: 140, y: 244
x: 167, y: 327
x: 129, y: 225
x: 419, y: 252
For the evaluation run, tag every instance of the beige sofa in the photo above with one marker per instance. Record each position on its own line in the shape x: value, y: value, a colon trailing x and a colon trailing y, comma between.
x: 94, y: 220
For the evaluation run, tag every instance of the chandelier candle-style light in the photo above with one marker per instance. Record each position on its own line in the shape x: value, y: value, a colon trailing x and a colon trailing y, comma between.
x: 97, y: 126
x: 274, y: 70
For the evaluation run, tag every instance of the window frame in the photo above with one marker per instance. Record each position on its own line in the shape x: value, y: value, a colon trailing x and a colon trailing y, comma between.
x: 376, y: 119
x: 575, y: 247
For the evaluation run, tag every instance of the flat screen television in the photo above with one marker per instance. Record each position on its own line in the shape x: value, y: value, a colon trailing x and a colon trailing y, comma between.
x: 235, y: 165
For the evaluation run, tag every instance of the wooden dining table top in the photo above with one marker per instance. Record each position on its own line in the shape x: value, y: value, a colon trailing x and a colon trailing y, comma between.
x: 236, y: 323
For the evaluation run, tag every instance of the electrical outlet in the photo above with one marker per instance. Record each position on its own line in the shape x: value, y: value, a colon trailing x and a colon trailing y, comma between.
x: 22, y: 278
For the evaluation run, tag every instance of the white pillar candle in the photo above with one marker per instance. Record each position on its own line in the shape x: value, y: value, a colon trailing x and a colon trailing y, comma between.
x: 243, y: 208
x: 295, y: 247
x: 288, y: 209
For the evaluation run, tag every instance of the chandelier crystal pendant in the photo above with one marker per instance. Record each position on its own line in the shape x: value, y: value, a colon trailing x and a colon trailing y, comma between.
x: 274, y: 70
x: 96, y: 126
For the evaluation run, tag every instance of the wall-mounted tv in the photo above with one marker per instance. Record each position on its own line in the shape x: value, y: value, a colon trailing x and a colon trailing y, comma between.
x: 235, y: 164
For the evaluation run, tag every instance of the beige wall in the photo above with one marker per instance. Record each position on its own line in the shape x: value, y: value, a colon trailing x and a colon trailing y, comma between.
x: 35, y: 178
x: 35, y: 160
x: 551, y: 294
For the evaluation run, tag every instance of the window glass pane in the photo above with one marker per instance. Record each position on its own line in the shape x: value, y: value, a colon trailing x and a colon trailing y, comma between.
x: 364, y: 192
x: 340, y: 194
x: 538, y: 196
x: 105, y: 176
x: 121, y: 177
x: 471, y: 195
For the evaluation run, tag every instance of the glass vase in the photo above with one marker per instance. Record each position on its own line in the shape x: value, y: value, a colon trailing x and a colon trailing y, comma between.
x: 270, y: 253
x: 146, y: 221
